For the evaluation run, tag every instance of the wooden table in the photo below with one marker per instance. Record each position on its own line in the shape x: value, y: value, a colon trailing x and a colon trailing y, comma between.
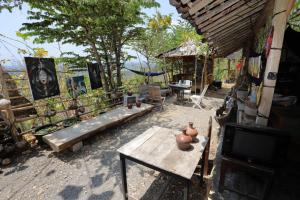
x: 156, y: 148
x: 179, y: 90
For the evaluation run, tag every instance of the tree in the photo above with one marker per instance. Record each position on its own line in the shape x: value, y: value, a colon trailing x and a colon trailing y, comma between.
x: 10, y: 4
x: 101, y: 26
x: 154, y: 37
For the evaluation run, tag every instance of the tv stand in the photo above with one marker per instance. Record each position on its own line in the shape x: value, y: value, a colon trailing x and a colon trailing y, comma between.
x: 234, y: 164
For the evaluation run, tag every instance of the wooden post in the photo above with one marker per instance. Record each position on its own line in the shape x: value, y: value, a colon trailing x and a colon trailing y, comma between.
x: 207, y: 148
x: 228, y: 69
x: 195, y: 74
x: 246, y: 55
x: 280, y: 16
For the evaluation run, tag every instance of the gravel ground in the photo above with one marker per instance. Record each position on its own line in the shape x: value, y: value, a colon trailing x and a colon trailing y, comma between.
x: 94, y: 171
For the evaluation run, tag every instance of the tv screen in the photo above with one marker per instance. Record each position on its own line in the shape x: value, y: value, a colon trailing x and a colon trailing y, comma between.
x: 260, y: 145
x: 254, y: 146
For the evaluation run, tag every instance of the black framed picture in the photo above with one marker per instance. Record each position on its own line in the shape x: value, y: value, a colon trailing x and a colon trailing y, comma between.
x: 76, y: 86
x: 94, y: 74
x: 42, y: 77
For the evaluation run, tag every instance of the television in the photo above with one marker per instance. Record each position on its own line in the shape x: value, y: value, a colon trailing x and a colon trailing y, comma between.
x: 258, y: 145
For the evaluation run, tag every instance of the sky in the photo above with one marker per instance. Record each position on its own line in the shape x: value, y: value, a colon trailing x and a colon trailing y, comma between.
x: 12, y: 22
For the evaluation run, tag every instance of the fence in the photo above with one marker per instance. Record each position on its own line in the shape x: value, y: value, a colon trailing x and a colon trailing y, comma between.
x: 29, y: 113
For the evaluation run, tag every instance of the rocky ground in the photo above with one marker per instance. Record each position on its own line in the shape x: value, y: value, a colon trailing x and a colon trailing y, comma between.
x: 94, y: 171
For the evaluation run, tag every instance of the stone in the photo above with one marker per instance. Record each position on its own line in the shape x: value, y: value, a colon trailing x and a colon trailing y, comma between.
x: 76, y: 147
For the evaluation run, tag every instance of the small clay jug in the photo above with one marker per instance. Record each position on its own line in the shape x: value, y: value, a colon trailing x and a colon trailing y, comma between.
x: 129, y: 106
x: 138, y: 103
x: 183, y: 141
x: 191, y: 131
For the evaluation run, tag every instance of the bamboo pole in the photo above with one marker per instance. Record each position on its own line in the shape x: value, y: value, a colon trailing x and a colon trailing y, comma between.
x: 195, y: 74
x: 280, y: 16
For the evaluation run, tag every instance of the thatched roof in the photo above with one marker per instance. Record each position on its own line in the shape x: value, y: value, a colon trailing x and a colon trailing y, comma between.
x: 225, y: 24
x: 188, y: 48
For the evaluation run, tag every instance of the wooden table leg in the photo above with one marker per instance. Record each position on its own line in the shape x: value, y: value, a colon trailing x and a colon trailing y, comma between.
x: 187, y: 190
x: 123, y: 176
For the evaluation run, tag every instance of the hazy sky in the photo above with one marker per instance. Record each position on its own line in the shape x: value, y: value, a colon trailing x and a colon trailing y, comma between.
x: 12, y: 22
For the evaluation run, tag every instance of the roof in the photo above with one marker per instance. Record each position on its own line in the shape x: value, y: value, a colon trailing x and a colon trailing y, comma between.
x: 225, y: 24
x: 188, y: 48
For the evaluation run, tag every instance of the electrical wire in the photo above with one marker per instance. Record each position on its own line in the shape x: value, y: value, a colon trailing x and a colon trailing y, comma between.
x: 1, y: 41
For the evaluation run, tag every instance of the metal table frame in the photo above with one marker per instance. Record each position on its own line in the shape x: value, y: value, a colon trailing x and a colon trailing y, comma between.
x: 180, y: 90
x: 185, y: 180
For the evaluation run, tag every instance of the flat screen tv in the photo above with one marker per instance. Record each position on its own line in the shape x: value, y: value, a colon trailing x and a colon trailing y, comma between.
x: 265, y: 146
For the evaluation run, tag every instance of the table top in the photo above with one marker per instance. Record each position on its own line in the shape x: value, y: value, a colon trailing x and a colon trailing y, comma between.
x: 157, y: 147
x: 180, y: 86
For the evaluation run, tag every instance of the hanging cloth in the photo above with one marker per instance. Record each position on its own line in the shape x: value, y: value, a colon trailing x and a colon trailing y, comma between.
x: 146, y: 73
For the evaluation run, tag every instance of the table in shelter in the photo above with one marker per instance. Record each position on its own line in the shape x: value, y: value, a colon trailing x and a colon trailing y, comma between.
x: 179, y: 90
x: 156, y: 148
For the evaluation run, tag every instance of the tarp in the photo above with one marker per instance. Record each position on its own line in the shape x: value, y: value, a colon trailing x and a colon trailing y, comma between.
x: 146, y: 73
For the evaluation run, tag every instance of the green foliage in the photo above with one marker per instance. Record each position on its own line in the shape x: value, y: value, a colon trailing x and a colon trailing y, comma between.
x: 183, y: 32
x: 10, y: 4
x: 294, y: 18
x: 103, y: 27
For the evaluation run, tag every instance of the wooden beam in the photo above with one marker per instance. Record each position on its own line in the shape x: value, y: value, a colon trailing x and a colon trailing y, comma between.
x: 228, y: 35
x: 231, y: 11
x: 228, y: 30
x: 232, y: 40
x: 280, y: 16
x: 198, y: 5
x: 208, y: 8
x: 216, y: 11
x: 234, y: 16
x: 175, y: 3
x: 185, y: 1
x: 236, y: 25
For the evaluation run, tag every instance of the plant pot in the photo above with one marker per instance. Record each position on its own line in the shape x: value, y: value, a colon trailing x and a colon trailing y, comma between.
x: 183, y: 141
x: 129, y: 106
x: 129, y: 93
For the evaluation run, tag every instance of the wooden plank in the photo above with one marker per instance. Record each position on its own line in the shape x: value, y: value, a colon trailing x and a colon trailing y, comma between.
x: 128, y: 148
x: 185, y: 1
x: 198, y: 5
x: 157, y: 146
x: 207, y: 8
x: 174, y: 3
x: 239, y: 13
x: 279, y: 23
x: 218, y: 39
x: 64, y: 138
x: 237, y: 9
x: 216, y: 11
x: 236, y: 24
x: 233, y: 40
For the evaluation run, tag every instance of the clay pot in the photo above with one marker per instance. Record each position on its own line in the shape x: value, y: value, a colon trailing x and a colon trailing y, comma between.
x: 183, y: 141
x: 191, y: 131
x: 138, y: 103
x: 129, y: 106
